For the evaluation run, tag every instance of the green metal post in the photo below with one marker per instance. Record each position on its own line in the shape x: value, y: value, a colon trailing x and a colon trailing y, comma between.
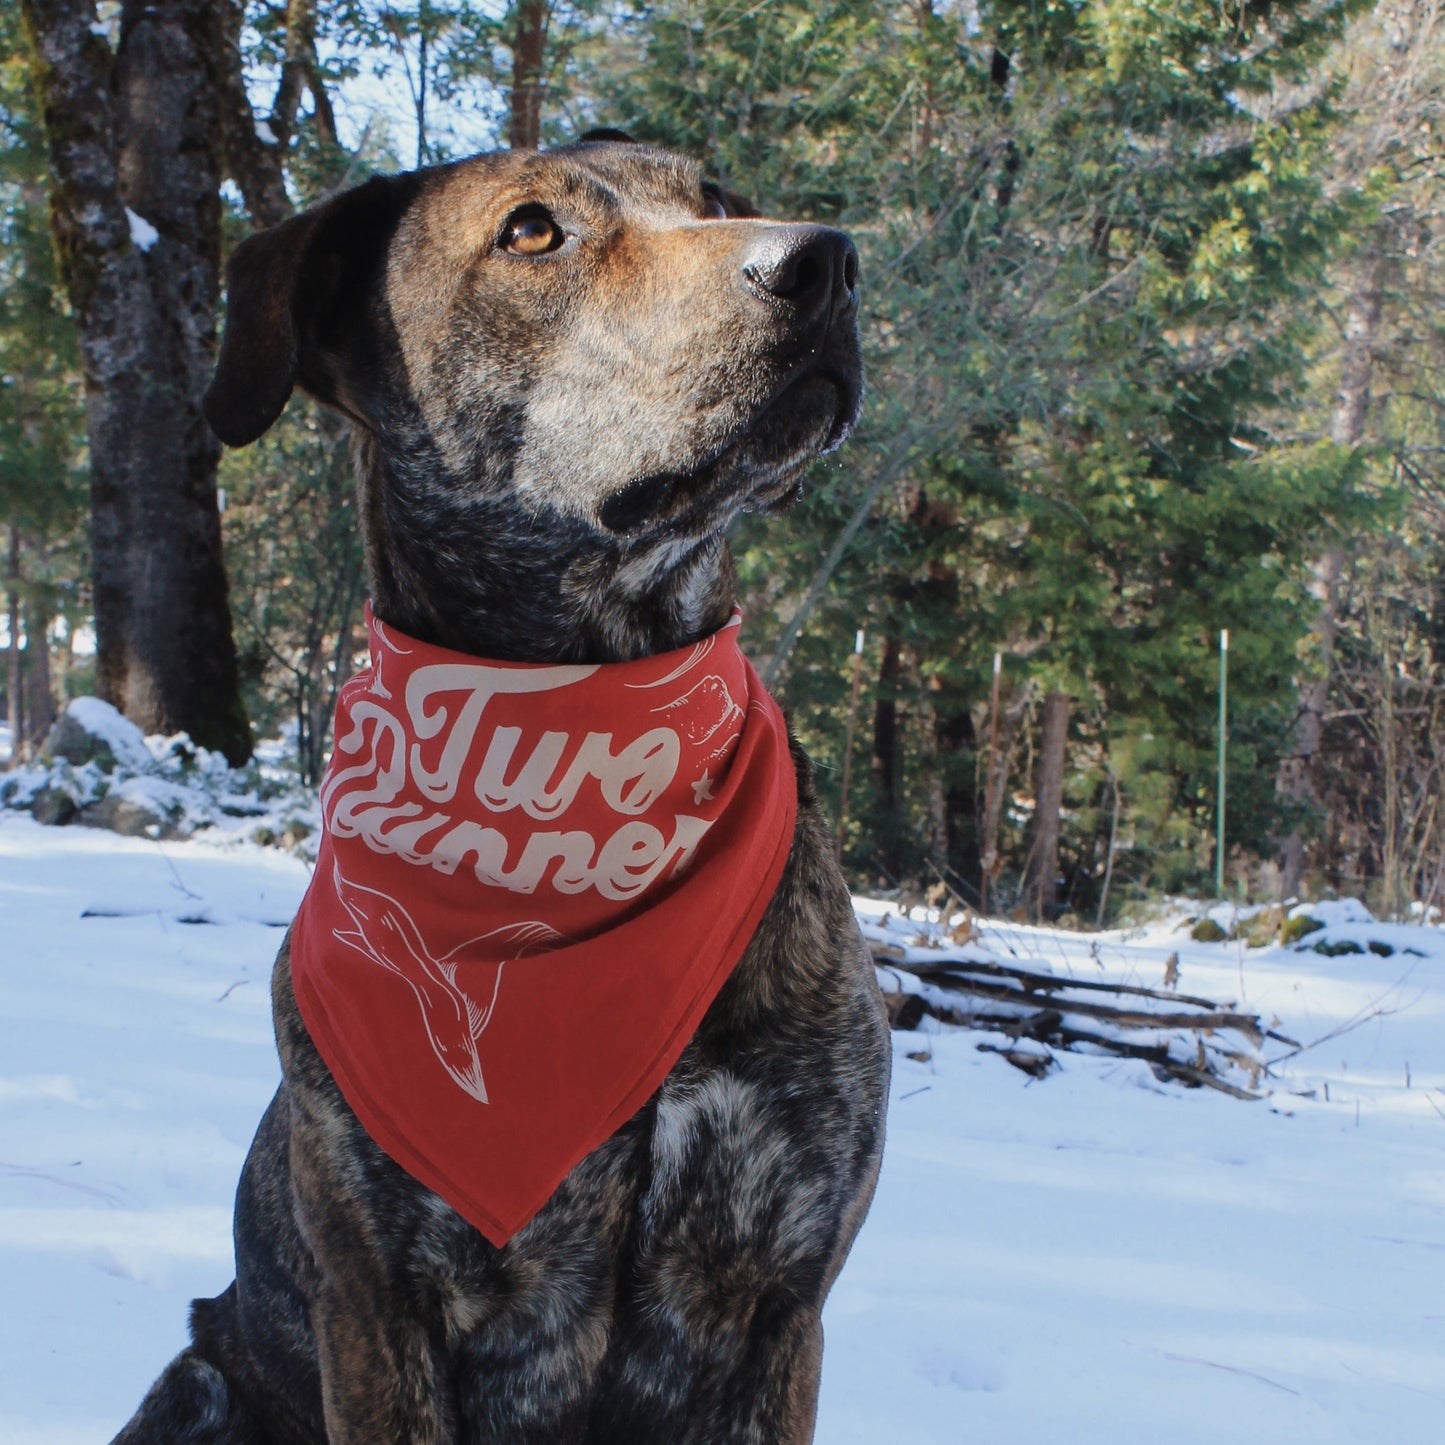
x: 1223, y: 734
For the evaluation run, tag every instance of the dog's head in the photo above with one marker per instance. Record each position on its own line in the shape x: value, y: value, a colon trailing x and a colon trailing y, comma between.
x: 594, y: 336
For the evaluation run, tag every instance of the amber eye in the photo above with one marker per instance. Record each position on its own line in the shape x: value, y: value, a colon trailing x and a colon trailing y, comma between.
x: 533, y: 233
x: 712, y: 207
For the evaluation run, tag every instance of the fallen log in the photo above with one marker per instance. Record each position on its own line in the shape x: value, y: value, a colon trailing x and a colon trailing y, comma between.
x: 1211, y: 1022
x: 1037, y: 982
x: 1195, y: 1041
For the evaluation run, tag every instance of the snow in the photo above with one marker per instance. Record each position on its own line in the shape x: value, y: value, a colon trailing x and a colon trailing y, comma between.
x: 143, y: 235
x: 1331, y: 911
x: 265, y: 134
x: 1093, y: 1256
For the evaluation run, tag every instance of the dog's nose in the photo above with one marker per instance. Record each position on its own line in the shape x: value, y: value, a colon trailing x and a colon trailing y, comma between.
x: 810, y: 267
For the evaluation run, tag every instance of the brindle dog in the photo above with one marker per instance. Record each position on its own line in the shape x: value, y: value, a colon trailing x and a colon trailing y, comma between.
x: 567, y: 372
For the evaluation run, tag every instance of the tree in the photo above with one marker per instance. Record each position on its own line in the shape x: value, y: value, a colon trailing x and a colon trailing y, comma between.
x: 135, y: 172
x: 1091, y: 237
x: 529, y: 75
x: 42, y: 427
x: 1386, y: 296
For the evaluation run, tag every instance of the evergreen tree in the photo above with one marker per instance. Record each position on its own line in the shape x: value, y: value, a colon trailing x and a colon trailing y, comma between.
x: 1091, y: 236
x: 42, y: 427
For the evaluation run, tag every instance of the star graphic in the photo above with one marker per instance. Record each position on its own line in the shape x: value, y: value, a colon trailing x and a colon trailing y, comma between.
x: 702, y: 789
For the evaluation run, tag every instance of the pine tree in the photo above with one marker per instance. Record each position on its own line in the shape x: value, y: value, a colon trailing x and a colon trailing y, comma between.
x: 1091, y: 236
x: 42, y: 427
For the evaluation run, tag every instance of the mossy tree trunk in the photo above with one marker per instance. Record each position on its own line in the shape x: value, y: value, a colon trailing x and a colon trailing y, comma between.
x: 135, y: 168
x: 40, y: 709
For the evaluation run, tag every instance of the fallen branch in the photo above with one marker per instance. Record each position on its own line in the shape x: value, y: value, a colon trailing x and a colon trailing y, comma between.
x: 1189, y: 1042
x: 1040, y: 982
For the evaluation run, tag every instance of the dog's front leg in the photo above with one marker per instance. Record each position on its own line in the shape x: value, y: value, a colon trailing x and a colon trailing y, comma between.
x: 706, y: 1380
x: 380, y: 1381
x: 383, y: 1376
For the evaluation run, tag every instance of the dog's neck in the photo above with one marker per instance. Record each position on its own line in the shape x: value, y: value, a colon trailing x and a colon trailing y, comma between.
x: 480, y: 575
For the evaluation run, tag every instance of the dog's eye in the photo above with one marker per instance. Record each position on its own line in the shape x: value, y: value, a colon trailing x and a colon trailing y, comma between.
x: 712, y: 206
x: 532, y: 233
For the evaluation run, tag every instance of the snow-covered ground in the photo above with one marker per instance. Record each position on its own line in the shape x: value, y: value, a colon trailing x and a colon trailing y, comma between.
x: 1093, y: 1257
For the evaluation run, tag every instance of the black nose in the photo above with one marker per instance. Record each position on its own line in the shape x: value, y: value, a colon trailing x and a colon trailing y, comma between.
x: 810, y: 267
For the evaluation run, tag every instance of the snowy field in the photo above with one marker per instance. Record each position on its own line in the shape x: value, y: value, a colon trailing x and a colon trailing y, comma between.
x: 1093, y: 1257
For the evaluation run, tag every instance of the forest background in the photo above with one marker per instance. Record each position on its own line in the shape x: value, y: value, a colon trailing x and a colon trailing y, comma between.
x: 1152, y: 312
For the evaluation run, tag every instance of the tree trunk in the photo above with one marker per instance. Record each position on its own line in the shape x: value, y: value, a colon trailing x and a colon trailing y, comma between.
x: 40, y: 707
x: 1296, y: 777
x: 995, y: 783
x: 1042, y: 871
x: 253, y: 160
x: 529, y: 81
x: 14, y: 687
x: 955, y: 741
x: 937, y: 803
x: 885, y: 763
x: 135, y: 208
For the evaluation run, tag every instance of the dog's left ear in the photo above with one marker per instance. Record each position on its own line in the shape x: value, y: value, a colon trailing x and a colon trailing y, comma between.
x: 296, y: 304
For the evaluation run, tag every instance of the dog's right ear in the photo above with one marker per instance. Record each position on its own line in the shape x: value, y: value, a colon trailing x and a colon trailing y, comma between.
x: 605, y: 133
x: 295, y: 294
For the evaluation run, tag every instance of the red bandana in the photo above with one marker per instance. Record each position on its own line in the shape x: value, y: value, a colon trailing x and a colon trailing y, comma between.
x: 533, y: 881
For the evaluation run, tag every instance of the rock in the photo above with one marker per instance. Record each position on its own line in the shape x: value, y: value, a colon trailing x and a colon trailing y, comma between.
x: 135, y: 810
x: 1207, y: 931
x: 235, y: 807
x: 1298, y: 926
x: 1261, y: 929
x: 53, y: 806
x: 90, y: 730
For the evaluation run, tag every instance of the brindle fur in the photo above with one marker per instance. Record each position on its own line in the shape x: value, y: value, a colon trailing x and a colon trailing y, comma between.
x: 550, y: 449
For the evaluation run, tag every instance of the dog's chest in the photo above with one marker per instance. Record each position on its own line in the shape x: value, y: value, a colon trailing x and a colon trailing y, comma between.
x: 711, y: 1169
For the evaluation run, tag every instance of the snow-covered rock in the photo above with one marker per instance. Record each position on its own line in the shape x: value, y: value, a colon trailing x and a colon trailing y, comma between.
x: 53, y: 806
x: 90, y: 730
x: 99, y: 770
x: 1332, y: 912
x: 140, y: 808
x: 54, y: 795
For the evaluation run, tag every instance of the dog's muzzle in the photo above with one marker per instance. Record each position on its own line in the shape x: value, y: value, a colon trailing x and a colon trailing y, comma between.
x: 800, y: 289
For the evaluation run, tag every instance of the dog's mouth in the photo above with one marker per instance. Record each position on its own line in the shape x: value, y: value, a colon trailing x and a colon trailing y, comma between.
x: 757, y: 471
x: 629, y: 508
